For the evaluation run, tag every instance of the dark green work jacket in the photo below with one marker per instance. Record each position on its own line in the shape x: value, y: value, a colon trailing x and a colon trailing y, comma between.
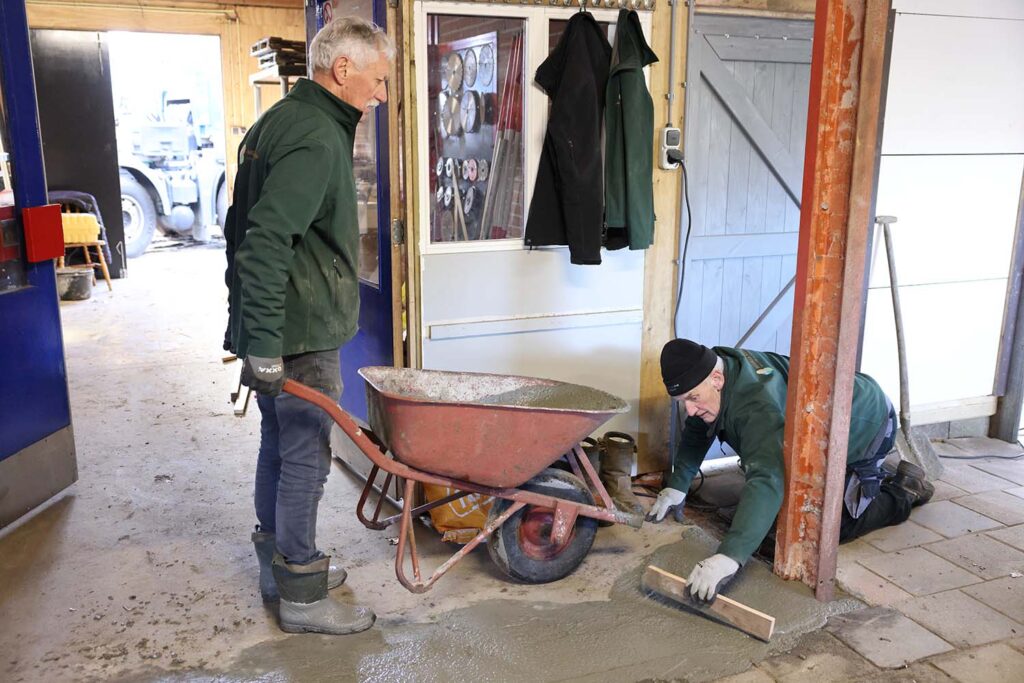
x: 751, y: 421
x: 292, y: 232
x: 629, y: 140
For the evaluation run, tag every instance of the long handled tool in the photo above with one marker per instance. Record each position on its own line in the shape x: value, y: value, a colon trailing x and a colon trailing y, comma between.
x: 913, y: 447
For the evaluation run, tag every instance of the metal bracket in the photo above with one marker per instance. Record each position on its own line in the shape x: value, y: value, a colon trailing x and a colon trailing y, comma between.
x: 397, y: 231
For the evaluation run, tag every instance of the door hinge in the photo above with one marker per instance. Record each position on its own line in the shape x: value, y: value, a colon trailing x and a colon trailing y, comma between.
x: 397, y: 232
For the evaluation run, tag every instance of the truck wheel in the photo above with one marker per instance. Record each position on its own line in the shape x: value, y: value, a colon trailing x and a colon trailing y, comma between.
x: 522, y: 547
x: 138, y: 213
x: 222, y: 205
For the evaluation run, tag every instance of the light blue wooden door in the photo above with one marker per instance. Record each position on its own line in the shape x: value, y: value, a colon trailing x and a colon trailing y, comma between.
x: 746, y: 119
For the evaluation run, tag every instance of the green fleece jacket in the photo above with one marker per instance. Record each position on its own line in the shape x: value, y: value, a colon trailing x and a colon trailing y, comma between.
x: 292, y: 231
x: 751, y: 421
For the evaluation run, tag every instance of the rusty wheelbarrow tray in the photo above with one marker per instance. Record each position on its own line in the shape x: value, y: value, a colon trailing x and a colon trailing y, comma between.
x: 492, y: 435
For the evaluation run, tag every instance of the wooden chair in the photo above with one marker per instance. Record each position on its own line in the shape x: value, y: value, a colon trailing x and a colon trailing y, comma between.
x: 82, y: 231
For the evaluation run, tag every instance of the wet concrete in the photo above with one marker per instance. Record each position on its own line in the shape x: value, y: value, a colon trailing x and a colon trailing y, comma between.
x: 144, y: 571
x: 496, y: 390
x: 630, y: 636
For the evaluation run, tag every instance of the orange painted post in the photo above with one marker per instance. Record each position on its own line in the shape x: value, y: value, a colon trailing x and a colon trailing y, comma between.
x: 847, y: 72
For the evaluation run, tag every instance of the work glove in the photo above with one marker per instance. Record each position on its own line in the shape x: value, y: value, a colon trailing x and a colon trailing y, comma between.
x: 669, y: 500
x: 710, y: 575
x: 263, y: 375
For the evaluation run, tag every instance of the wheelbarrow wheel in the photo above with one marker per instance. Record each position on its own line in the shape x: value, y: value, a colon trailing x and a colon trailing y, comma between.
x: 522, y: 547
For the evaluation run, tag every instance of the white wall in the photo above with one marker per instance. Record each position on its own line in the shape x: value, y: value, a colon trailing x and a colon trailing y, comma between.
x: 952, y: 162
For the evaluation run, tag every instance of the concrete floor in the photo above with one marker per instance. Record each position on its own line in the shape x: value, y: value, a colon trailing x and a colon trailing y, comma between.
x: 143, y: 570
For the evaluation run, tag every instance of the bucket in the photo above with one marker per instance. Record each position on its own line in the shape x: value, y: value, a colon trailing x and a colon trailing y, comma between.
x: 74, y: 284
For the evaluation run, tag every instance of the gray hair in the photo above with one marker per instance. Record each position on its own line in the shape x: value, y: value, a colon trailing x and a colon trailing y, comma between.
x: 353, y: 37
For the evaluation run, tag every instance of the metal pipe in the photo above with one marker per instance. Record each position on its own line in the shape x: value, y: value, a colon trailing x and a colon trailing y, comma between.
x: 672, y: 59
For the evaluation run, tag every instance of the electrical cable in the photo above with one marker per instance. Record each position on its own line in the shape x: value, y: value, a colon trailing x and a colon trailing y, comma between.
x: 686, y: 246
x: 983, y: 457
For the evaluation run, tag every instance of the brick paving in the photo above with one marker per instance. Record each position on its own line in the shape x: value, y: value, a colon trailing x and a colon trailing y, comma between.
x: 945, y: 591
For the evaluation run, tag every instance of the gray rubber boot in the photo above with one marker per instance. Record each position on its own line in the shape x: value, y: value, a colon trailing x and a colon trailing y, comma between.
x: 616, y: 466
x: 305, y: 606
x: 263, y: 541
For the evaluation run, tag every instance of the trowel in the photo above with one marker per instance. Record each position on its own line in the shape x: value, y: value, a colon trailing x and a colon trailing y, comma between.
x: 746, y: 619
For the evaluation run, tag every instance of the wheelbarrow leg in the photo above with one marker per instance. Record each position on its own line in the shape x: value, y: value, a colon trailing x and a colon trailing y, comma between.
x: 374, y: 523
x: 580, y: 458
x: 563, y: 522
x: 406, y: 535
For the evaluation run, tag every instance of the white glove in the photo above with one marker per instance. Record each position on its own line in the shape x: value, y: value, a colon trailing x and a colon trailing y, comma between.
x: 710, y: 575
x: 669, y: 500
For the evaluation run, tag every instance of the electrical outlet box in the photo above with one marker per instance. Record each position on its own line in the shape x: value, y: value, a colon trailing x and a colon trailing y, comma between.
x: 671, y: 139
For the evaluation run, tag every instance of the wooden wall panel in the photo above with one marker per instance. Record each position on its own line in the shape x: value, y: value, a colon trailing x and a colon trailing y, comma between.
x: 660, y: 273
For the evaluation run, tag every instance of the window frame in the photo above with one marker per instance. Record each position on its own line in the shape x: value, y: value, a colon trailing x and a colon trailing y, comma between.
x: 537, y: 20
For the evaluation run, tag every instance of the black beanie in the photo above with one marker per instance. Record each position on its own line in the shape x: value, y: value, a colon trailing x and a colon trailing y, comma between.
x: 685, y: 364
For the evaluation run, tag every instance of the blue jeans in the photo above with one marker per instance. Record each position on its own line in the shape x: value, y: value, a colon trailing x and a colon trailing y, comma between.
x: 295, y: 456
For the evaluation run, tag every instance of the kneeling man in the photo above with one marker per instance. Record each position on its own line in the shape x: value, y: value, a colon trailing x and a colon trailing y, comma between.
x: 739, y: 397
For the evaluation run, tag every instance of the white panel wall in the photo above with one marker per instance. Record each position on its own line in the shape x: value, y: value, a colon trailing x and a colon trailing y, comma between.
x: 956, y: 217
x: 953, y: 157
x: 952, y: 332
x: 601, y: 356
x: 533, y: 313
x: 955, y: 86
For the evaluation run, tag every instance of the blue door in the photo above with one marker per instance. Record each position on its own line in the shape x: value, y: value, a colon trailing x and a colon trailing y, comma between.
x: 37, y: 455
x: 372, y: 345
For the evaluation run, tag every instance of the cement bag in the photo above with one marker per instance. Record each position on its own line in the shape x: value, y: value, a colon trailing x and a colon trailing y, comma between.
x: 460, y: 520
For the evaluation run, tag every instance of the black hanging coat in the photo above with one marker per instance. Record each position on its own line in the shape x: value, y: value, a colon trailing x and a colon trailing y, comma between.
x: 568, y: 197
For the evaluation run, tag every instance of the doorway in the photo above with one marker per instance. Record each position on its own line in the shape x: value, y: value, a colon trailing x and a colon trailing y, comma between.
x: 169, y: 123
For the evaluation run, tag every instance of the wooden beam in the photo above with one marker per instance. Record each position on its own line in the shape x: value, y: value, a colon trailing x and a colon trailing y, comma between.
x: 746, y: 619
x: 755, y: 245
x: 773, y: 26
x: 660, y: 274
x: 763, y: 330
x: 410, y: 166
x: 839, y: 176
x: 748, y: 49
x: 954, y: 411
x: 175, y: 5
x: 396, y: 180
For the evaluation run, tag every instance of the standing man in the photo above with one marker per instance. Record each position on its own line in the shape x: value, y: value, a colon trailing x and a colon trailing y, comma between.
x: 739, y: 397
x: 292, y: 243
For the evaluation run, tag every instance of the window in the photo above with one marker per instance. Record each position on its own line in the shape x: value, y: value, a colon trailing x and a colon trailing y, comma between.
x: 475, y: 132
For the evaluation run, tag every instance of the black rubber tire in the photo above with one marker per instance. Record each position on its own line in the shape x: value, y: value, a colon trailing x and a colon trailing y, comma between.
x: 222, y: 204
x: 506, y: 545
x: 136, y: 205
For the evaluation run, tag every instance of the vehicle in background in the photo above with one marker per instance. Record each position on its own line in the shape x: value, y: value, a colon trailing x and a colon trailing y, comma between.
x: 172, y: 179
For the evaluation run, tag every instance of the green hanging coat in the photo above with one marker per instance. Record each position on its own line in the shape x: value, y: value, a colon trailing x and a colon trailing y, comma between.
x: 629, y: 140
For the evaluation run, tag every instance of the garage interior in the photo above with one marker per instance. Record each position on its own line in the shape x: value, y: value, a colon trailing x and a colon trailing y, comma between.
x: 125, y: 552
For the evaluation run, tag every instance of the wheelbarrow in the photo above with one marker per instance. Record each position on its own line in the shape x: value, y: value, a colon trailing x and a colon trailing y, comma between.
x: 493, y: 435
